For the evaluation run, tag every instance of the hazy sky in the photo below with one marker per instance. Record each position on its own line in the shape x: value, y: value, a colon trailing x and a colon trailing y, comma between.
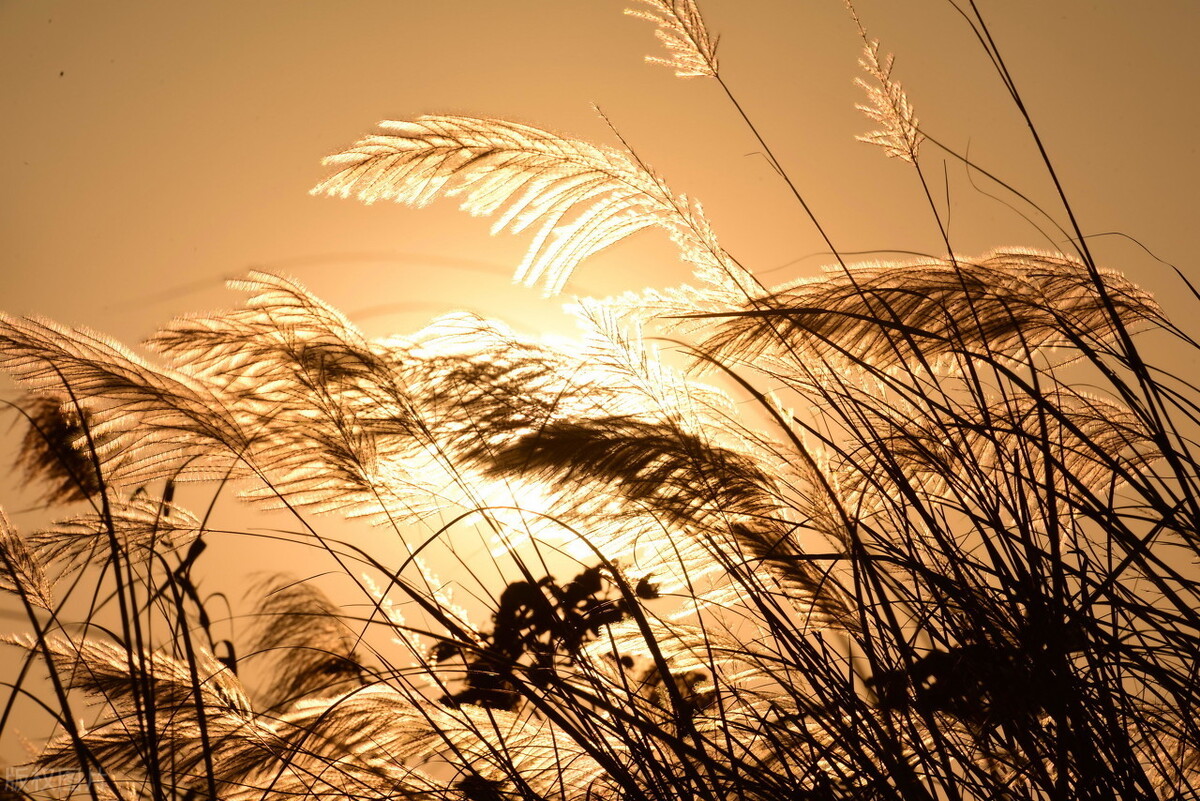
x: 150, y: 149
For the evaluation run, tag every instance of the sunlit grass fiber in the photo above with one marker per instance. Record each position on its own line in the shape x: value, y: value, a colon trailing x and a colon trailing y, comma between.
x: 865, y: 539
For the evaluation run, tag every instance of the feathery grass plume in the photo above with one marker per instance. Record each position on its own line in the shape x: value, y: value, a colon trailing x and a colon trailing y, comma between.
x: 681, y: 29
x: 888, y: 105
x: 581, y: 197
x: 207, y: 734
x: 144, y: 527
x: 199, y: 704
x: 146, y: 422
x: 1008, y: 303
x: 53, y: 454
x: 20, y: 572
x: 302, y: 377
x: 543, y: 417
x: 686, y: 481
x: 310, y: 650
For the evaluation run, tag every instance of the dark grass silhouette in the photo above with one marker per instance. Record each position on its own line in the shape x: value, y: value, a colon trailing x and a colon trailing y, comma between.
x: 959, y: 577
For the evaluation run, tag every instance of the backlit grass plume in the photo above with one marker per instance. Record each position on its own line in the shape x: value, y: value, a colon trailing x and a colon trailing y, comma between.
x: 887, y: 104
x: 581, y: 198
x: 909, y: 529
x: 681, y: 29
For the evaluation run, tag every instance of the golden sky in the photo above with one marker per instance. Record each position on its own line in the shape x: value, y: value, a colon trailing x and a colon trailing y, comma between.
x: 151, y: 149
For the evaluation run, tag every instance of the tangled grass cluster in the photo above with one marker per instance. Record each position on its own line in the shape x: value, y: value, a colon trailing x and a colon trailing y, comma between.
x: 949, y: 574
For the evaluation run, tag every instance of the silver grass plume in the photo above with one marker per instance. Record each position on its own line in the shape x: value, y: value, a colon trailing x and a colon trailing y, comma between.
x: 386, y: 728
x: 119, y: 742
x: 205, y: 722
x: 54, y: 452
x: 1006, y: 304
x: 887, y: 104
x: 20, y: 571
x: 680, y: 28
x: 146, y: 422
x: 305, y: 376
x: 985, y: 608
x: 580, y: 198
x: 467, y: 389
x: 309, y: 648
x: 144, y: 528
x: 687, y: 481
x: 322, y: 399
